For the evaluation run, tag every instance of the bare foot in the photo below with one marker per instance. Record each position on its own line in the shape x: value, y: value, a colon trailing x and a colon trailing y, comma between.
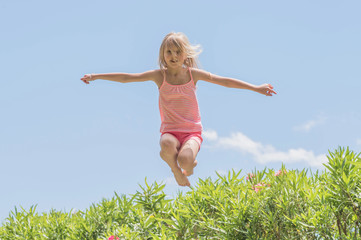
x: 181, y: 179
x: 190, y: 171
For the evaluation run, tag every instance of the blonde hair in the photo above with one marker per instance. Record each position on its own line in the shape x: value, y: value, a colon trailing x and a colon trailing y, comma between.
x: 180, y: 41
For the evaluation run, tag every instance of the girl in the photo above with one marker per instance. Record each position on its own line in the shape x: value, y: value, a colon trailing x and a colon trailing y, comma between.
x: 176, y: 80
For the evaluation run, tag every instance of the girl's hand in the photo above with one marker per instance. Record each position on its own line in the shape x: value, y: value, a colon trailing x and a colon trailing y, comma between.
x: 87, y: 78
x: 265, y: 89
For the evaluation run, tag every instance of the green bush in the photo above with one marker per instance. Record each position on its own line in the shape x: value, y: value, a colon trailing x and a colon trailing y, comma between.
x: 287, y: 204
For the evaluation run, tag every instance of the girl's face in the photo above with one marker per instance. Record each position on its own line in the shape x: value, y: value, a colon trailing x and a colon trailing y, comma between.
x: 174, y: 57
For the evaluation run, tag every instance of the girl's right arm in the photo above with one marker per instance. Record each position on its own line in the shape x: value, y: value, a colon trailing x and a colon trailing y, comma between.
x: 152, y: 75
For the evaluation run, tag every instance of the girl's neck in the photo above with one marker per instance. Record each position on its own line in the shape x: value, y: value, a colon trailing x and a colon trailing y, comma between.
x: 174, y: 71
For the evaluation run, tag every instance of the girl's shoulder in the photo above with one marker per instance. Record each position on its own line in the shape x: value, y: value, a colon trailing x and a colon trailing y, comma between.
x: 158, y: 73
x: 199, y: 74
x: 153, y: 75
x: 158, y: 76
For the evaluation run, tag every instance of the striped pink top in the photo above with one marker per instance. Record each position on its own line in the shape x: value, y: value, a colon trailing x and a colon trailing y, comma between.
x: 178, y: 107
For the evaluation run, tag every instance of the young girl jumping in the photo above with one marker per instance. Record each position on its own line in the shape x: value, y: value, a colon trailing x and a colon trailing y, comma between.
x: 181, y: 127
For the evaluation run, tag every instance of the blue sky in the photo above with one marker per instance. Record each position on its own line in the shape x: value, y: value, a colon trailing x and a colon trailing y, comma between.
x: 65, y: 144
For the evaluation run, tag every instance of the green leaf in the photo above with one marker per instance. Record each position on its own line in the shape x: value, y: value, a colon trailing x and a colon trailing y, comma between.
x: 358, y: 164
x: 345, y: 178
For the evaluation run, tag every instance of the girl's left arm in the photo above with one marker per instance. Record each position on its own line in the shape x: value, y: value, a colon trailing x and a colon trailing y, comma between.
x: 265, y: 89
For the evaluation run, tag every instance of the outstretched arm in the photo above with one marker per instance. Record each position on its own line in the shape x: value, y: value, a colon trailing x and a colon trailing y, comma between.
x: 121, y: 77
x: 266, y: 89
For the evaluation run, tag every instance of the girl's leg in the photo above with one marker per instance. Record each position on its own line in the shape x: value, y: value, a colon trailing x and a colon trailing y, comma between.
x: 187, y: 156
x: 169, y: 153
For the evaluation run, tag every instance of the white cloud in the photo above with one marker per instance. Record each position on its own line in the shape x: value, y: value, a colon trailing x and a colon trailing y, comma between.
x: 264, y: 153
x: 358, y: 141
x: 310, y: 124
x: 210, y: 135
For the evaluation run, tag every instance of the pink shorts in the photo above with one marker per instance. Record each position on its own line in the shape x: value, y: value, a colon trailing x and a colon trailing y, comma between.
x: 185, y: 136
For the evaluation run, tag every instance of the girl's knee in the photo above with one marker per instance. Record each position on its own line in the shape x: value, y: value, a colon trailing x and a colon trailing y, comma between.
x: 168, y: 142
x: 168, y: 149
x: 186, y: 160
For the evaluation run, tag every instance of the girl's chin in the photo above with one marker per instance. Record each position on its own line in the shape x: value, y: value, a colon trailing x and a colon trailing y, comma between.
x: 174, y: 65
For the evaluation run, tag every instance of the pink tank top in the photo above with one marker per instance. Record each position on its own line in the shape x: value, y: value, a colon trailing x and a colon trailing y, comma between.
x: 178, y: 107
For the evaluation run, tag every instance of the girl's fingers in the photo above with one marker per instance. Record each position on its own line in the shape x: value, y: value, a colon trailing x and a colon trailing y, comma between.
x: 269, y: 92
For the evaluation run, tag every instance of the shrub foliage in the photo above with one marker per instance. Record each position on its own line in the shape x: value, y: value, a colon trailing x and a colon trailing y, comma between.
x: 287, y: 204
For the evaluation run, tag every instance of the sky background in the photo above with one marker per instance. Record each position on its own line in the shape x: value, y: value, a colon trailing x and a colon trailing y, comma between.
x: 66, y: 145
